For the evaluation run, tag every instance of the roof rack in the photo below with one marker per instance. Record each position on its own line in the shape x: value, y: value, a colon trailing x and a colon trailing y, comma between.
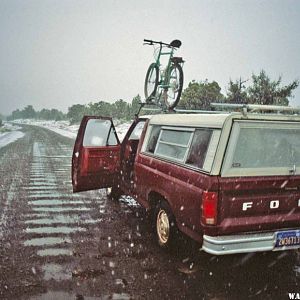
x: 256, y: 107
x: 184, y: 111
x: 223, y: 108
x: 156, y: 108
x: 197, y: 111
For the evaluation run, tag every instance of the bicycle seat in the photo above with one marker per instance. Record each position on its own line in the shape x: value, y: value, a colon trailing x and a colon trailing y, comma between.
x: 177, y: 60
x: 175, y: 44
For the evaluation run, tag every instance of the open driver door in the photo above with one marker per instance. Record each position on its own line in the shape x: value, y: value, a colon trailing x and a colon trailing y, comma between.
x: 96, y: 155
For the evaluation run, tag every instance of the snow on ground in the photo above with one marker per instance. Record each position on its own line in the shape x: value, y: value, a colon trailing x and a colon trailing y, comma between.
x: 10, y: 134
x: 60, y: 127
x: 64, y: 128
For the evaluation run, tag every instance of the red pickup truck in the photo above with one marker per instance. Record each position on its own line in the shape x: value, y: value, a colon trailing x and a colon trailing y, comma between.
x: 230, y: 181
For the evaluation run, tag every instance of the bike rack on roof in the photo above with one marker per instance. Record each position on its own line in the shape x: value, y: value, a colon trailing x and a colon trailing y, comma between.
x: 224, y: 107
x: 256, y: 108
x: 158, y: 109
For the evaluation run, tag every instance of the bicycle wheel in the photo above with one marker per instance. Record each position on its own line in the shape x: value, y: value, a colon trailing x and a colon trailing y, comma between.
x: 151, y: 81
x: 175, y: 86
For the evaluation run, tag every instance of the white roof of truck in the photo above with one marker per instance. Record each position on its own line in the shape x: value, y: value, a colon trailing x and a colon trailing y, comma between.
x: 197, y: 120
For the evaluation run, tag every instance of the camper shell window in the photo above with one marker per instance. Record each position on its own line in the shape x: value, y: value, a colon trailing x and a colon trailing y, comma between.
x: 262, y: 148
x: 194, y: 147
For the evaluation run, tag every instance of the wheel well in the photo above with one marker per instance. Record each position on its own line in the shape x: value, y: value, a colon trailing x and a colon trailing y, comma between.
x: 154, y: 198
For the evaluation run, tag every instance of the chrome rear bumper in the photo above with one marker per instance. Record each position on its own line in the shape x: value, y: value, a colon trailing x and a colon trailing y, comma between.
x: 245, y: 243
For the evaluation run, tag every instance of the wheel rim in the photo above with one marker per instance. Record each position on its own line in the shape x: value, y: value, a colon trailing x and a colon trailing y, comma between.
x: 163, y: 226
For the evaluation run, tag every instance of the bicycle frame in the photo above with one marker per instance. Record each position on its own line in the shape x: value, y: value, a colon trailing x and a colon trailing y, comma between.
x: 164, y: 83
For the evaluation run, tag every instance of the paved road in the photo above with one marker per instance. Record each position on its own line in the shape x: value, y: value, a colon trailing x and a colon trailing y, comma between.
x: 60, y: 245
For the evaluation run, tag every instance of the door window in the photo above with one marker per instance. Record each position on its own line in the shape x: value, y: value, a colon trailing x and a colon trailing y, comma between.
x: 99, y: 133
x: 137, y: 131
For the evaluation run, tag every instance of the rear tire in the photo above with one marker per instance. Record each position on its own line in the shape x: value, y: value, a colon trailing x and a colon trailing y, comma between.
x: 165, y: 225
x: 173, y: 93
x: 151, y: 82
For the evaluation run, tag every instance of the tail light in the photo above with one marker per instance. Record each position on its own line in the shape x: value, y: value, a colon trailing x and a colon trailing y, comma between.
x: 209, y: 207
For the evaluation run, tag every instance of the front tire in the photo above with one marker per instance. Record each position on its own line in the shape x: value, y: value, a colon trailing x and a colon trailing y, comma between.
x: 165, y: 225
x: 113, y: 193
x: 151, y: 81
x: 174, y: 90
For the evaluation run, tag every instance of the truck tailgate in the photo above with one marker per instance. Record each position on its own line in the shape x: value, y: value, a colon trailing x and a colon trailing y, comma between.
x: 258, y: 204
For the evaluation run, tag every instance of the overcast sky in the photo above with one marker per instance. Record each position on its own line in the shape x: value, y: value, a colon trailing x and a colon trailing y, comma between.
x: 57, y: 53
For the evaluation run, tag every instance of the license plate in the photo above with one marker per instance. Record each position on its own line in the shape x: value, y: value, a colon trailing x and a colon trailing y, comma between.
x: 287, y: 238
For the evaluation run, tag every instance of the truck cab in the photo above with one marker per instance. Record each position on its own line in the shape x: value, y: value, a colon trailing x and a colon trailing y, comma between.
x: 230, y: 181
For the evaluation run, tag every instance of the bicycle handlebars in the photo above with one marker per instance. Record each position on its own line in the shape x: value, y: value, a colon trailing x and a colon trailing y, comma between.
x: 150, y: 42
x: 173, y: 44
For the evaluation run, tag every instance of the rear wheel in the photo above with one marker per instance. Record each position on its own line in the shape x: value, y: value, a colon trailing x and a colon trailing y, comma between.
x: 173, y: 93
x: 165, y: 225
x: 151, y: 81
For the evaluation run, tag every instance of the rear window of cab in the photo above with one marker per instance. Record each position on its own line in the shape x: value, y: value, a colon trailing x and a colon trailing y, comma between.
x: 193, y: 147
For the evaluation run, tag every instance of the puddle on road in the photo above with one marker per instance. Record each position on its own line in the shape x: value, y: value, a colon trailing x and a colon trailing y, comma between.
x: 58, y: 156
x: 39, y: 183
x: 42, y: 178
x: 53, y: 202
x: 54, y: 252
x: 41, y: 175
x: 44, y: 194
x: 41, y: 196
x: 60, y: 209
x: 57, y: 295
x: 42, y: 172
x: 37, y: 167
x: 63, y: 220
x: 61, y: 229
x: 56, y: 272
x: 36, y: 215
x: 47, y: 241
x: 42, y: 188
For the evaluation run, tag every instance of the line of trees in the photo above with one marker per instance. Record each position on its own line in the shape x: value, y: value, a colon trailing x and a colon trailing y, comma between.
x: 120, y: 109
x: 262, y: 90
x: 29, y: 112
x: 198, y: 95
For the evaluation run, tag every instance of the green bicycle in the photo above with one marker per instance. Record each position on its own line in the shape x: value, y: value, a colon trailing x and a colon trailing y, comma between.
x: 164, y: 86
